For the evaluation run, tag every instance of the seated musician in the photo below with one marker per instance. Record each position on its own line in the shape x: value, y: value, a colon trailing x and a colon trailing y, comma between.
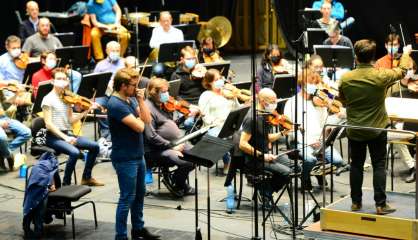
x: 391, y: 59
x: 42, y: 41
x: 105, y: 16
x: 208, y: 52
x: 158, y: 135
x: 272, y: 63
x: 326, y: 20
x: 280, y: 166
x: 165, y: 33
x: 315, y: 64
x: 21, y: 134
x: 8, y: 68
x: 58, y: 117
x: 313, y: 126
x: 29, y: 26
x: 335, y: 37
x: 49, y: 62
x: 337, y: 8
x: 189, y: 74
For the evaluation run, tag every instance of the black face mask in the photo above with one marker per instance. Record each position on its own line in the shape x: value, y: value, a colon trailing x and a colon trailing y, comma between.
x: 275, y: 59
x: 207, y: 51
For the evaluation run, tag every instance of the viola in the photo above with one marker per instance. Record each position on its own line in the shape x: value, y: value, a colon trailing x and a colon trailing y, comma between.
x: 198, y: 71
x: 22, y: 61
x: 229, y: 91
x: 71, y: 98
x: 181, y: 106
x: 277, y: 119
x: 321, y: 99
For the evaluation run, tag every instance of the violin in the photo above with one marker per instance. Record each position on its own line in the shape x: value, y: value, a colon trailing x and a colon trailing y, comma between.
x: 322, y: 100
x: 229, y: 91
x: 22, y: 61
x: 172, y: 105
x: 277, y: 119
x: 71, y: 98
x: 413, y: 86
x: 198, y: 71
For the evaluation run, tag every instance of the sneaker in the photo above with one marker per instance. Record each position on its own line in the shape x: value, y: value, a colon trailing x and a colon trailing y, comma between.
x: 386, y: 209
x: 412, y: 176
x: 173, y: 189
x: 148, y: 177
x: 189, y: 190
x: 356, y: 207
x: 143, y: 234
x: 11, y: 162
x: 92, y: 182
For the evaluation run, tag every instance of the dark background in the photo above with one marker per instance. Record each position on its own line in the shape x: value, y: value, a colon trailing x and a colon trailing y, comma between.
x: 372, y: 16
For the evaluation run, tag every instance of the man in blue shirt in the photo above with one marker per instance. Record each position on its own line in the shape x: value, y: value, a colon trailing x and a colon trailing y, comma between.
x: 128, y: 114
x: 105, y: 16
x: 8, y: 69
x: 337, y: 11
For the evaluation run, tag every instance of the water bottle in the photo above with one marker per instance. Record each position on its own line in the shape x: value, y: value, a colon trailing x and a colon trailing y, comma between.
x: 230, y: 199
x: 22, y: 172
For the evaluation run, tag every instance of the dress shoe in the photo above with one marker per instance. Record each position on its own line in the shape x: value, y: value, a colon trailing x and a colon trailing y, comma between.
x: 11, y: 162
x: 143, y: 234
x: 386, y: 209
x: 356, y: 207
x: 412, y: 176
x: 189, y: 190
x: 177, y: 192
x: 92, y: 182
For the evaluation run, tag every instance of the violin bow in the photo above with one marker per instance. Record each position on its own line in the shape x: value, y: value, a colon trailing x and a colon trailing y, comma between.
x: 85, y: 117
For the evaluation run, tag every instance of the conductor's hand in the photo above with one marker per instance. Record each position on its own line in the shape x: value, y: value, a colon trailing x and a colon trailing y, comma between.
x: 407, y: 49
x: 140, y: 94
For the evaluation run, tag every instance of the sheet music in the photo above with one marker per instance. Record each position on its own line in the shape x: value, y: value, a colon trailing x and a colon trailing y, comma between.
x: 404, y: 109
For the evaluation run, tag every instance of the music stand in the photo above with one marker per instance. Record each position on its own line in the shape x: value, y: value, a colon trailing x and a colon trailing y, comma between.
x: 222, y: 67
x: 242, y: 85
x: 334, y: 56
x: 155, y: 16
x: 315, y: 36
x: 190, y: 31
x: 94, y: 82
x: 174, y: 87
x: 233, y: 122
x: 31, y: 68
x: 76, y: 56
x: 67, y: 38
x: 147, y: 71
x: 309, y: 14
x: 43, y: 89
x: 170, y: 52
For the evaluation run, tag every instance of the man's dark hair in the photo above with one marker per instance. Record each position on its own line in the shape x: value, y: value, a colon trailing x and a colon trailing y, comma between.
x: 393, y: 37
x: 365, y: 50
x: 123, y: 77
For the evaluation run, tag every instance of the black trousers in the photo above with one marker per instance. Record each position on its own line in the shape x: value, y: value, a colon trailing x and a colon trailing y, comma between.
x: 377, y: 150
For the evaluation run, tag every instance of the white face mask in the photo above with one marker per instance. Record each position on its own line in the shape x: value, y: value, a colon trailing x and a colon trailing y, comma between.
x: 270, y: 107
x: 409, y: 74
x: 310, y: 89
x: 60, y: 83
x: 50, y: 63
x: 15, y: 52
x: 114, y: 56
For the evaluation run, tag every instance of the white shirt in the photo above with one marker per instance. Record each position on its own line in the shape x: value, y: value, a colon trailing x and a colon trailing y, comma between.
x: 160, y: 36
x: 59, y: 110
x: 214, y: 108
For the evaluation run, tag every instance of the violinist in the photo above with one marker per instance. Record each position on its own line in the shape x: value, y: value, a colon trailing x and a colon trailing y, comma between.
x: 391, y: 59
x: 190, y: 75
x: 272, y: 63
x: 158, y: 135
x: 208, y: 52
x: 9, y: 70
x: 315, y: 119
x: 58, y: 117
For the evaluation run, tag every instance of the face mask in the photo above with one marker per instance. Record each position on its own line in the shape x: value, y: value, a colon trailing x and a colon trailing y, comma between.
x: 60, y: 83
x: 50, y: 63
x: 409, y: 74
x: 218, y: 84
x: 15, y: 52
x: 270, y: 107
x: 164, y: 97
x: 114, y: 56
x: 189, y: 63
x: 310, y: 89
x: 393, y: 50
x: 275, y: 59
x: 208, y: 51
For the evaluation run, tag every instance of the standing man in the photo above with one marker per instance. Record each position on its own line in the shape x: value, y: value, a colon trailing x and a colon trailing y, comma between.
x: 165, y: 33
x: 128, y: 114
x: 105, y: 16
x: 42, y: 41
x: 368, y: 110
x: 29, y: 26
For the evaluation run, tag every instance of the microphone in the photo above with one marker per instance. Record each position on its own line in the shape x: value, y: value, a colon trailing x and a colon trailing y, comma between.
x: 347, y: 23
x: 392, y: 29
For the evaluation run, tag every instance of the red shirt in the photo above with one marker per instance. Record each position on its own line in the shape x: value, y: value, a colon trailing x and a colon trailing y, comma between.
x: 40, y: 76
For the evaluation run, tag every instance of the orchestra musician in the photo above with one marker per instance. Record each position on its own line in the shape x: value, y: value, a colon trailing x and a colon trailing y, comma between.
x: 190, y: 74
x: 337, y: 8
x: 58, y: 117
x: 158, y: 136
x: 318, y: 117
x: 105, y: 15
x: 208, y: 52
x: 29, y: 26
x: 272, y: 63
x: 165, y: 33
x: 326, y: 20
x: 8, y: 68
x: 280, y: 166
x: 128, y: 115
x: 41, y: 41
x: 335, y: 37
x: 391, y: 59
x: 369, y: 110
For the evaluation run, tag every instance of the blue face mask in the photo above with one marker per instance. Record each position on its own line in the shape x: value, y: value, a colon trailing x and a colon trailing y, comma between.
x: 310, y: 89
x: 393, y: 50
x: 114, y: 56
x: 164, y: 97
x: 218, y: 84
x: 189, y: 63
x: 50, y: 63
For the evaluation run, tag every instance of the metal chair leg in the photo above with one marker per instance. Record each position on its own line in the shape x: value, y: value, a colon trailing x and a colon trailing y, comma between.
x: 94, y: 213
x: 72, y: 222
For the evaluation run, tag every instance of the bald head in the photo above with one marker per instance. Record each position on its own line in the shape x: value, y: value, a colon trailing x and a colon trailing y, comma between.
x: 32, y: 10
x: 267, y: 98
x: 165, y: 20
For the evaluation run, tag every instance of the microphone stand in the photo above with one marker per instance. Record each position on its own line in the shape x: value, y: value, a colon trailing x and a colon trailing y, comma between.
x: 137, y: 35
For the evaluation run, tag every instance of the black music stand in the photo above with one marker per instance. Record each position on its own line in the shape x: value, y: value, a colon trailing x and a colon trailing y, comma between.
x: 334, y: 56
x: 43, y: 89
x: 155, y: 16
x: 174, y: 87
x: 315, y: 36
x: 94, y: 82
x: 190, y: 31
x: 32, y: 68
x: 170, y: 52
x: 222, y: 67
x: 242, y: 85
x: 147, y: 71
x: 75, y: 56
x: 284, y: 87
x: 233, y: 122
x: 67, y: 38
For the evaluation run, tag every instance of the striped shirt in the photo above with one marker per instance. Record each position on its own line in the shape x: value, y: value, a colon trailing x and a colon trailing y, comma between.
x: 59, y: 110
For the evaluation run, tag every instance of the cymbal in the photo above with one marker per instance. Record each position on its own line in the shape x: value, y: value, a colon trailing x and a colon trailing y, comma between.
x: 219, y: 28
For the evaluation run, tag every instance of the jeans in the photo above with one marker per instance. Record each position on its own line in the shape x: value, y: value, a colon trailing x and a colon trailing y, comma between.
x: 131, y: 179
x: 75, y: 80
x: 73, y: 152
x: 377, y: 149
x: 21, y: 132
x: 103, y: 122
x: 311, y: 159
